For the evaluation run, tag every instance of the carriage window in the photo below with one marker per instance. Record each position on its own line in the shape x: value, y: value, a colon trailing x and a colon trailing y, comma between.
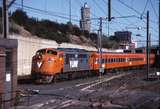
x: 52, y: 52
x: 41, y: 52
x: 83, y: 58
x: 111, y: 60
x: 106, y: 60
x: 123, y: 59
x: 103, y: 60
x: 117, y: 59
x: 120, y: 59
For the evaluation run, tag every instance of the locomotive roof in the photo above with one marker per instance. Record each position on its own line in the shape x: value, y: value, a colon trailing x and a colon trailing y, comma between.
x: 71, y: 49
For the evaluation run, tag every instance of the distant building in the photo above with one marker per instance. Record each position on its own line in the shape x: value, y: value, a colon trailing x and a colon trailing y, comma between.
x: 85, y: 23
x: 124, y: 37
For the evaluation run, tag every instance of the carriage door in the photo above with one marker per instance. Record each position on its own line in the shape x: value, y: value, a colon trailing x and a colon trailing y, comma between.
x: 61, y: 58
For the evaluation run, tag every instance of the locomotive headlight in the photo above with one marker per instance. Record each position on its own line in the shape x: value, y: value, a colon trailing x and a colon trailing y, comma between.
x: 103, y: 65
x: 60, y: 59
x: 50, y: 59
x: 95, y: 62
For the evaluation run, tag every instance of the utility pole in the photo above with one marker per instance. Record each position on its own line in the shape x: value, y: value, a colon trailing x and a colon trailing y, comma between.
x: 109, y: 10
x: 5, y: 18
x: 147, y: 45
x: 101, y: 70
x: 109, y: 14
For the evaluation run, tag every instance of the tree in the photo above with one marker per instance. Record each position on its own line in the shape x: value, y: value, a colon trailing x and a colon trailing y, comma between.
x: 20, y: 17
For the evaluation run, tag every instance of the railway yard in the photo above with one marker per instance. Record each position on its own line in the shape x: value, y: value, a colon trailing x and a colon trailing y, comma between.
x: 121, y: 90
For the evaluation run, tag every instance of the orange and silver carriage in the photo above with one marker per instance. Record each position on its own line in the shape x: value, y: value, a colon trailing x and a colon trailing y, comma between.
x: 112, y: 61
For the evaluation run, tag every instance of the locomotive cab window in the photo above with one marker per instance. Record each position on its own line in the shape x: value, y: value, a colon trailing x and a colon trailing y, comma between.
x: 52, y: 52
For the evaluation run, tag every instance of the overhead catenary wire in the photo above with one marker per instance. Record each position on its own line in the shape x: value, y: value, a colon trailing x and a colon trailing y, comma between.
x: 154, y: 10
x: 144, y: 8
x: 133, y: 9
x: 39, y: 11
x: 102, y: 10
x: 135, y: 16
x: 139, y: 14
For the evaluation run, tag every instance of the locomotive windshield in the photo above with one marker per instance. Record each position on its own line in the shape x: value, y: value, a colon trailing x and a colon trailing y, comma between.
x: 52, y: 52
x: 41, y: 52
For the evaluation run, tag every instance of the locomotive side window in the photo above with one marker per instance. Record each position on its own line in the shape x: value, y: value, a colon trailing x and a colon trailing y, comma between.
x: 83, y: 58
x: 52, y: 52
x: 41, y: 52
x: 69, y: 57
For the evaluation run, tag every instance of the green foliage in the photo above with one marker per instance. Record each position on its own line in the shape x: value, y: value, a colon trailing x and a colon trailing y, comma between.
x: 45, y: 28
x: 93, y: 37
x: 13, y: 28
x: 20, y: 17
x: 52, y: 30
x: 114, y: 38
x: 108, y: 42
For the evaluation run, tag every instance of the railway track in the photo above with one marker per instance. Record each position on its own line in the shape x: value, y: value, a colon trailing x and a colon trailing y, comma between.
x: 82, y: 91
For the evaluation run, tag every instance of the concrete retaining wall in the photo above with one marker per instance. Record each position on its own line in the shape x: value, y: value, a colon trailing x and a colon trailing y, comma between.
x: 27, y: 46
x: 69, y: 45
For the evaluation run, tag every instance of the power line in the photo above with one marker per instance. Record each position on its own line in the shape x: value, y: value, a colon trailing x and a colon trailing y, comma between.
x: 153, y: 8
x: 46, y: 12
x: 138, y: 14
x: 144, y: 8
x: 135, y: 10
x: 129, y: 7
x: 65, y: 14
x: 102, y: 10
x: 35, y: 10
x: 135, y: 16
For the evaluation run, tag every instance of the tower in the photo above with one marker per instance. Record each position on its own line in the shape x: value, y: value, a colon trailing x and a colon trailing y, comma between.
x: 85, y: 23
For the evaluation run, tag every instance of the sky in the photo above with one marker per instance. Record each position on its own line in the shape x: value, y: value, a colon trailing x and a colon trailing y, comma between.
x: 58, y: 10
